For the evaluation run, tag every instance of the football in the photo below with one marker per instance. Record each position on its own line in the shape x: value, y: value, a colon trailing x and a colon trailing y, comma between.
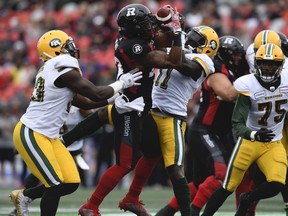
x: 164, y: 14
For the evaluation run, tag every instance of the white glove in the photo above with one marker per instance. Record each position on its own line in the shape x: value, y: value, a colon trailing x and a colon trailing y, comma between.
x: 123, y: 105
x: 129, y: 79
x: 175, y: 24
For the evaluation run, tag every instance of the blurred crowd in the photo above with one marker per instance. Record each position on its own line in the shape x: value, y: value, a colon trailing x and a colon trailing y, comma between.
x: 93, y: 26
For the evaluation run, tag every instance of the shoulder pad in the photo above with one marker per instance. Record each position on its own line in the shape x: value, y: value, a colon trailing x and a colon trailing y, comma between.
x: 204, y: 60
x: 66, y: 61
x: 242, y: 84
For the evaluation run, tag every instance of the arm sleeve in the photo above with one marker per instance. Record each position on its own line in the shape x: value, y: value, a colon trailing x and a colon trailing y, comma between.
x: 239, y: 116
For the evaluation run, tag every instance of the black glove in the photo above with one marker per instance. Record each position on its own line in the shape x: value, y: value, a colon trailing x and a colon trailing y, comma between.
x: 262, y: 135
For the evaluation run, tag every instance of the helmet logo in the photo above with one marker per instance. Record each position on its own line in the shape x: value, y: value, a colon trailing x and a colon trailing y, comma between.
x: 130, y: 12
x: 228, y: 40
x: 213, y: 44
x: 137, y: 49
x: 55, y: 43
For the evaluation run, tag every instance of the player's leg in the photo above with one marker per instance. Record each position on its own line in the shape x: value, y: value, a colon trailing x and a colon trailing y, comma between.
x: 171, y: 132
x: 151, y: 154
x: 284, y: 191
x: 38, y: 153
x: 209, y: 149
x: 238, y: 164
x: 273, y: 164
x: 88, y: 125
x: 127, y: 129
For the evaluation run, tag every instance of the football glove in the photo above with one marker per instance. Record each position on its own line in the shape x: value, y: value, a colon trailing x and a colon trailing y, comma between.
x: 262, y: 135
x: 129, y: 79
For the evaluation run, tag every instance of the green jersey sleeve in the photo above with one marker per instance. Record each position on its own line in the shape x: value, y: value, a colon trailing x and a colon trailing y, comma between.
x: 239, y: 116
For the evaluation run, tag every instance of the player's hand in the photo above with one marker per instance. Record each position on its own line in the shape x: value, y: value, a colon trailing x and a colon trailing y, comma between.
x: 262, y: 135
x: 175, y: 24
x: 130, y: 79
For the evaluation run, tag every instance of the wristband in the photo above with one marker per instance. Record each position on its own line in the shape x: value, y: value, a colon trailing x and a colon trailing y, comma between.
x: 183, y: 39
x: 117, y: 86
x: 252, y: 135
x: 112, y: 99
x: 177, y: 40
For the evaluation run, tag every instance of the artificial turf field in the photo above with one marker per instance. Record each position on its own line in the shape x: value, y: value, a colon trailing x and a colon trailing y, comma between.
x: 153, y: 198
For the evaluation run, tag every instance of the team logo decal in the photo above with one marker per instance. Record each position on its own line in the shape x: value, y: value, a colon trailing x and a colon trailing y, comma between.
x: 213, y: 44
x: 55, y: 42
x: 137, y: 49
x: 260, y: 94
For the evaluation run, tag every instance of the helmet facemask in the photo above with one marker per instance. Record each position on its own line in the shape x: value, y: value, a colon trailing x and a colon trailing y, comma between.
x: 268, y: 70
x: 269, y: 61
x: 195, y: 40
x: 203, y: 39
x: 70, y: 48
x: 148, y: 28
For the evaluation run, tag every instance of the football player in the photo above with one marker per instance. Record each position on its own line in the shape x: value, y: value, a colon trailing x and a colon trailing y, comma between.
x: 284, y: 192
x: 210, y: 136
x: 263, y: 37
x: 59, y: 84
x: 132, y: 124
x: 75, y: 115
x: 171, y: 92
x: 258, y: 119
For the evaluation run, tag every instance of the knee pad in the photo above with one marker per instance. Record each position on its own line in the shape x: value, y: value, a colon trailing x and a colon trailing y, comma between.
x: 54, y: 191
x: 175, y: 172
x: 69, y: 188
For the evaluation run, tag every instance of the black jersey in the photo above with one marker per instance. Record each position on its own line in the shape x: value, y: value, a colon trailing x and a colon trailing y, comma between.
x: 213, y: 112
x: 127, y: 51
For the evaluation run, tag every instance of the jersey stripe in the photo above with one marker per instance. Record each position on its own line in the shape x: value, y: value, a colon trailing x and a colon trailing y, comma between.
x: 203, y: 64
x: 232, y: 158
x: 38, y: 156
x: 179, y: 141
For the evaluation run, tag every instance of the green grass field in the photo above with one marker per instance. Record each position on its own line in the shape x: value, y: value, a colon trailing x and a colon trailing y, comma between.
x: 153, y: 198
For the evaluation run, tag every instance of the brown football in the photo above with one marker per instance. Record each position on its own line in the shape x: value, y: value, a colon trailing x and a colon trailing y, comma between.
x: 164, y: 15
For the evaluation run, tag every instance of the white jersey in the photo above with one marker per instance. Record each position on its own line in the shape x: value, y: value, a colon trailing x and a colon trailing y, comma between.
x: 49, y: 105
x: 250, y: 56
x: 172, y: 90
x: 268, y: 108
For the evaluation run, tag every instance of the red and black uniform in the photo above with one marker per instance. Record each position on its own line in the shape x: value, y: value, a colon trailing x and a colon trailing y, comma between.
x: 130, y: 136
x: 210, y: 140
x: 210, y: 135
x: 127, y: 51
